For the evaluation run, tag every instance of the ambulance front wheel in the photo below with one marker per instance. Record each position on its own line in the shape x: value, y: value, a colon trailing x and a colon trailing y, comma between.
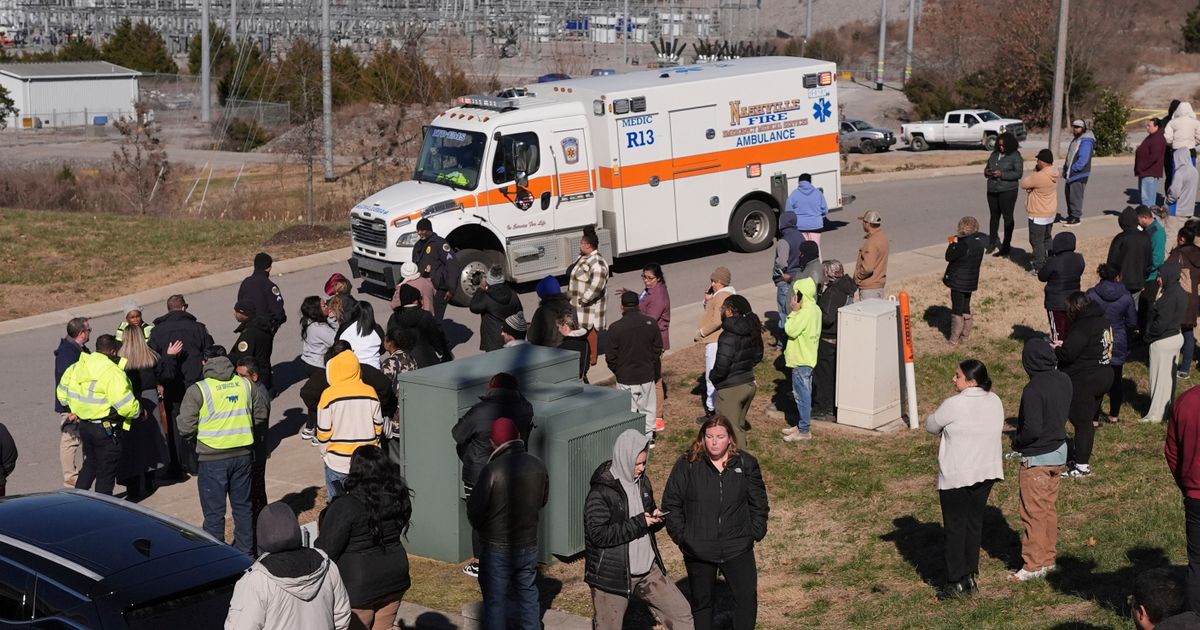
x: 753, y: 226
x: 473, y: 265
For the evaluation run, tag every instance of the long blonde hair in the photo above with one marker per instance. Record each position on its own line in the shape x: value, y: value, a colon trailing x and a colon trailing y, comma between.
x: 135, y: 350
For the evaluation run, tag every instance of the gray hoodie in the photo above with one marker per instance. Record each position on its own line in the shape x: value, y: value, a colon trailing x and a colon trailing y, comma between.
x: 628, y: 446
x: 221, y: 369
x: 292, y: 590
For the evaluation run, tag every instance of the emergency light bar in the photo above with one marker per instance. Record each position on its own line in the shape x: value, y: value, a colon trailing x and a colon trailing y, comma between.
x: 488, y: 102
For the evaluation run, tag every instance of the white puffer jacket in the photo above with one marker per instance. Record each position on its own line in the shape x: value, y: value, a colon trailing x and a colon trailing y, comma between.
x: 1183, y: 131
x: 308, y: 595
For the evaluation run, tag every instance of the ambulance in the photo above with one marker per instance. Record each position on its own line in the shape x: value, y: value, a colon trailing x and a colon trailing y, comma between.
x: 652, y: 159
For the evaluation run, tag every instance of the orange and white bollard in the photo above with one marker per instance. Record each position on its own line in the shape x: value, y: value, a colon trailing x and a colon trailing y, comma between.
x: 910, y: 372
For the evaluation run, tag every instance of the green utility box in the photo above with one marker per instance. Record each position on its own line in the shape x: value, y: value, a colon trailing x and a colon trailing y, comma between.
x: 576, y: 426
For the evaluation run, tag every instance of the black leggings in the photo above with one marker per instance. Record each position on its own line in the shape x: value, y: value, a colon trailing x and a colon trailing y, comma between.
x: 1000, y: 204
x: 960, y: 302
x: 1116, y: 392
x: 741, y: 575
x: 1088, y: 389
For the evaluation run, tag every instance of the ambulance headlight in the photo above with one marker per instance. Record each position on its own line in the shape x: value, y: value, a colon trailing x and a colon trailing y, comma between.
x: 408, y: 239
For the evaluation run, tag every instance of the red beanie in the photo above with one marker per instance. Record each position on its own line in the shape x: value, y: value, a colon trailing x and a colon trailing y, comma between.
x: 504, y: 430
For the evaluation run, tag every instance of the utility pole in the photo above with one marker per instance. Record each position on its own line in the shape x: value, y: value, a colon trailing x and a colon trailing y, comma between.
x: 327, y: 89
x: 625, y: 33
x: 1060, y: 71
x: 233, y: 22
x: 807, y: 20
x: 912, y: 19
x: 882, y: 44
x: 205, y: 66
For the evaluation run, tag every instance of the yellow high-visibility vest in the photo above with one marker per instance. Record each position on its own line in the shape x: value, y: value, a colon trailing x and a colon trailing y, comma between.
x: 226, y: 419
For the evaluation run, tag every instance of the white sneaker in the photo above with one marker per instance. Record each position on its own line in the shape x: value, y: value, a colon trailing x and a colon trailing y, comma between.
x: 797, y: 437
x: 1025, y: 576
x: 790, y: 430
x: 1150, y: 420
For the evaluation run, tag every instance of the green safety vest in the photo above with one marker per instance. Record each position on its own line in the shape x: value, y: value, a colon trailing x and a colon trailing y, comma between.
x: 146, y: 328
x: 226, y: 419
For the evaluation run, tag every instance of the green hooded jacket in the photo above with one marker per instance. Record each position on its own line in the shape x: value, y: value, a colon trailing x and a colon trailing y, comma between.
x: 803, y: 327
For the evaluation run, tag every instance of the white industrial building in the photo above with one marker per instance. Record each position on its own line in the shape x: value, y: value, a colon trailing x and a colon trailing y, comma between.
x: 69, y: 93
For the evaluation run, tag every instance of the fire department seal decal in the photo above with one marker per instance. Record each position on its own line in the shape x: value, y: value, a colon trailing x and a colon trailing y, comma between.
x: 242, y: 346
x: 570, y: 150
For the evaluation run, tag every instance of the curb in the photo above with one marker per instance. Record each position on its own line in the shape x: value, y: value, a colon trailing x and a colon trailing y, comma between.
x: 158, y: 294
x: 973, y: 169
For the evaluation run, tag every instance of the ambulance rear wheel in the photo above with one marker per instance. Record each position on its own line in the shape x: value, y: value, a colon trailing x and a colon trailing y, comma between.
x: 473, y: 265
x: 753, y: 226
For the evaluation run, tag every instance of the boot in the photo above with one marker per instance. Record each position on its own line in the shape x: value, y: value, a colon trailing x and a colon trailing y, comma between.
x: 956, y: 326
x: 967, y: 321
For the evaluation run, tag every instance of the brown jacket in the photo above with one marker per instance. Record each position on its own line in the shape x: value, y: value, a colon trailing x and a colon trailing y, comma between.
x: 710, y: 324
x: 870, y: 272
x: 1042, y: 187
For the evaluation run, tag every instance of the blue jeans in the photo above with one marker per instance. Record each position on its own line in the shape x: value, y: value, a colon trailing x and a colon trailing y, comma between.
x: 218, y: 479
x: 1148, y: 186
x: 332, y: 476
x: 802, y: 390
x: 508, y: 579
x: 783, y: 295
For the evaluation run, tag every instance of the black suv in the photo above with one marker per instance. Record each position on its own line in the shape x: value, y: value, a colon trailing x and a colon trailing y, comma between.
x: 75, y: 559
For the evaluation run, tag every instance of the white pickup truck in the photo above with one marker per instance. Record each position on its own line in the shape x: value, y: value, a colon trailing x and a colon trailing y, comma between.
x: 961, y: 126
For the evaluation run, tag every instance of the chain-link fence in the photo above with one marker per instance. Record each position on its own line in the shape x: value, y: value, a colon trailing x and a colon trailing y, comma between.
x: 175, y: 99
x: 76, y: 119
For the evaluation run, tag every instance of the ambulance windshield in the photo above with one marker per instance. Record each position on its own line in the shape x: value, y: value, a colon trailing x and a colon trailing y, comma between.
x: 451, y: 157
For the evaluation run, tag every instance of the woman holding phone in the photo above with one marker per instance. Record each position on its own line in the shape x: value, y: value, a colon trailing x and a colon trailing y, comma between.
x: 716, y: 508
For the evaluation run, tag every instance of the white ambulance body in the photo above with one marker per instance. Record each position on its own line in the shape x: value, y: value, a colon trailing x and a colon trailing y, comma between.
x: 653, y: 159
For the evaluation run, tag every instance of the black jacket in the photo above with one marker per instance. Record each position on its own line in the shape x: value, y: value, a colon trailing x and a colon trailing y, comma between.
x: 835, y: 296
x: 431, y: 347
x: 1045, y: 401
x: 1089, y: 342
x: 370, y: 571
x: 473, y: 432
x: 493, y: 306
x: 579, y: 344
x: 1062, y: 271
x: 1132, y: 252
x: 256, y: 340
x: 964, y: 256
x: 258, y: 289
x: 714, y: 516
x: 435, y: 260
x: 1168, y: 311
x: 8, y: 456
x: 67, y: 353
x: 543, y: 328
x: 739, y: 349
x: 181, y: 326
x: 608, y: 529
x: 310, y: 393
x: 634, y: 348
x: 505, y: 504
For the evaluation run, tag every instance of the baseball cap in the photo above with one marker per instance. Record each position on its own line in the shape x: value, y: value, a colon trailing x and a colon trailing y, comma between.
x: 245, y: 307
x: 1079, y: 123
x: 872, y: 216
x: 629, y: 298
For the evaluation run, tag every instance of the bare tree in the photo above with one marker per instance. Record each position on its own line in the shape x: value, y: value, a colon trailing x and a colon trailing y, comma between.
x: 140, y: 166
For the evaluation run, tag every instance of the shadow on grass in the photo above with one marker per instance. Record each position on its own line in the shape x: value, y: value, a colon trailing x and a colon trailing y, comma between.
x: 923, y: 544
x: 1078, y: 625
x: 938, y: 316
x: 1077, y: 577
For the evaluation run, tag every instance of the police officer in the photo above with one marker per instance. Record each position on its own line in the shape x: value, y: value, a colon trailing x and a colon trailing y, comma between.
x: 435, y: 260
x: 100, y: 398
x: 264, y: 294
x: 219, y: 412
x: 255, y: 339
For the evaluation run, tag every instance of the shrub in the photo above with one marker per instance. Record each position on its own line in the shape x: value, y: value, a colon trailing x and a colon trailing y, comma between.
x: 245, y: 135
x: 931, y: 98
x: 1108, y: 124
x: 1191, y: 31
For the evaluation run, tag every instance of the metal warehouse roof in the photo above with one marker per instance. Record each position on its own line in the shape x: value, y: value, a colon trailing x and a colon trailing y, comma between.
x: 66, y: 70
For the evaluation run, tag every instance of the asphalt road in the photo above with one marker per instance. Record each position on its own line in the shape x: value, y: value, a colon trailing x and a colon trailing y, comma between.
x: 916, y: 213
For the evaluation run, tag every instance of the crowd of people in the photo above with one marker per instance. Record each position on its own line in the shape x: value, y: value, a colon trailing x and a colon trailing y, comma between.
x: 158, y: 401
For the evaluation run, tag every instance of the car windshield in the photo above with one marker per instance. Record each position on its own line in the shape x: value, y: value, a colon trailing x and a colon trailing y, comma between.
x: 860, y: 125
x: 451, y: 157
x: 986, y: 116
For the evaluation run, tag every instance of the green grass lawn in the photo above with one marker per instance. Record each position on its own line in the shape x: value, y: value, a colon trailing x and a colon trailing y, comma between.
x: 50, y: 260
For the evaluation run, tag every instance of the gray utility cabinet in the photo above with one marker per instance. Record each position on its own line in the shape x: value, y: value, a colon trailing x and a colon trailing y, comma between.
x: 576, y: 426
